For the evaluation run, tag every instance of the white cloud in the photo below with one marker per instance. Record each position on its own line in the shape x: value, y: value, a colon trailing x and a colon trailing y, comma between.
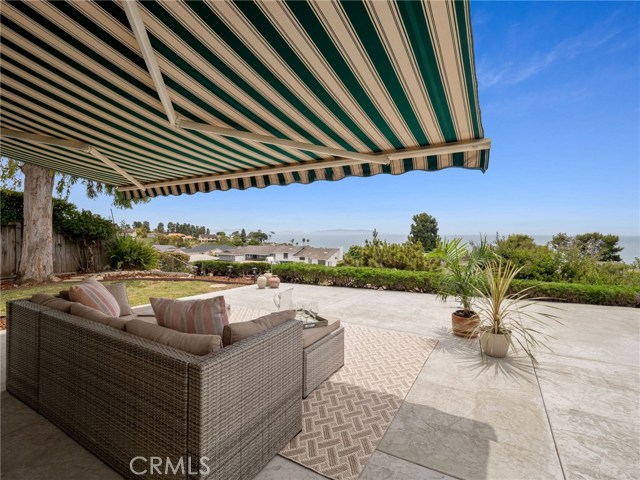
x: 518, y: 69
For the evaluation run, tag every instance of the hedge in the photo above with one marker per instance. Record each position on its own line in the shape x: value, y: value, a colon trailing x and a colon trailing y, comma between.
x: 219, y: 267
x: 428, y: 282
x: 612, y: 295
x: 423, y: 282
x: 358, y: 277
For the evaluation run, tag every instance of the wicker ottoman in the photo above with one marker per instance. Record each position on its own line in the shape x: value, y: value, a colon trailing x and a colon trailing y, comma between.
x: 322, y: 359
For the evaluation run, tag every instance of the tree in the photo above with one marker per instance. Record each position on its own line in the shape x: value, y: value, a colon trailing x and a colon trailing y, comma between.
x: 160, y: 228
x: 243, y: 235
x: 259, y: 237
x: 560, y: 242
x: 518, y: 241
x: 605, y: 248
x: 36, y: 259
x: 146, y: 226
x: 424, y: 230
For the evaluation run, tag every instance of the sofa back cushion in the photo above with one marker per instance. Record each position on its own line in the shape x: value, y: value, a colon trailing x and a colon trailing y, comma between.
x: 49, y: 301
x: 187, y: 342
x: 95, y: 295
x: 235, y: 332
x: 95, y: 315
x: 119, y: 292
x: 208, y: 316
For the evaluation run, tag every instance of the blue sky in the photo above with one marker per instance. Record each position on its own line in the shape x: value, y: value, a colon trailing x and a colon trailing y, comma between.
x: 560, y: 97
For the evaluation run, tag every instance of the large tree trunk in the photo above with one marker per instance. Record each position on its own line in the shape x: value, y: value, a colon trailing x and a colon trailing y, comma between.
x: 36, y: 259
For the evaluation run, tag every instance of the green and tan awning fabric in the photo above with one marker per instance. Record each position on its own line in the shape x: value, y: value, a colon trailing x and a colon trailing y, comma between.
x: 158, y: 97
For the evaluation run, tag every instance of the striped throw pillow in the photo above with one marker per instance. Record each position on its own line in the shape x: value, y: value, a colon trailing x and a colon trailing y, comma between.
x: 208, y: 316
x: 93, y: 294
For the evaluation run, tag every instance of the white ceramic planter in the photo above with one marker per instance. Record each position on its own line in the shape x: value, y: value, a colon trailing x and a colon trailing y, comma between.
x: 494, y: 344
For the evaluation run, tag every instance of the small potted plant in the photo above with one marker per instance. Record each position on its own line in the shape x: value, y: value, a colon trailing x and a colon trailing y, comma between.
x: 461, y: 278
x: 505, y: 319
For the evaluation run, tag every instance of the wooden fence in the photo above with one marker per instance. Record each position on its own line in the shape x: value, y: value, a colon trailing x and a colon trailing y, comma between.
x: 69, y: 256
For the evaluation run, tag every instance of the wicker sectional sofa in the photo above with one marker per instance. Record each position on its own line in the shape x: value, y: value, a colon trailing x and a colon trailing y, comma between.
x: 125, y: 397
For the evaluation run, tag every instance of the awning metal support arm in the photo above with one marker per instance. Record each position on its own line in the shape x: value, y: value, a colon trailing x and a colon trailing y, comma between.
x: 73, y: 145
x: 249, y: 173
x: 472, y: 145
x: 32, y: 137
x: 458, y: 147
x: 96, y: 153
x: 140, y: 32
x: 282, y: 142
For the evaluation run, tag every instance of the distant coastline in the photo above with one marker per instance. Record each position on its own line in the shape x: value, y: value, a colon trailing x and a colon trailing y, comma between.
x: 347, y: 238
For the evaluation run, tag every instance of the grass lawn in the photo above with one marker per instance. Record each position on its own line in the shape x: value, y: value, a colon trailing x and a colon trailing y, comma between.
x: 139, y: 290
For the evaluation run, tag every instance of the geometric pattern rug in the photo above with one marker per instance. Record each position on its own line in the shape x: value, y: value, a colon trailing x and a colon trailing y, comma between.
x: 345, y: 418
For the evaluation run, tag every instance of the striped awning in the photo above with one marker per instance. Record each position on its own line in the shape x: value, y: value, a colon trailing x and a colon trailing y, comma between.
x: 164, y: 98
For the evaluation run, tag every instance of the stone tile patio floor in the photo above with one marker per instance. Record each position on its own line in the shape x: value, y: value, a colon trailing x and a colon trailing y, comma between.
x: 577, y: 415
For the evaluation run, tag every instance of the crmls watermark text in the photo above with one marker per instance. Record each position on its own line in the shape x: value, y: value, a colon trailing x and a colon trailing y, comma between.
x: 166, y: 466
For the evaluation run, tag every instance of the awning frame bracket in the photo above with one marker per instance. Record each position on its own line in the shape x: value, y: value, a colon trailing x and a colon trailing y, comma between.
x: 72, y: 145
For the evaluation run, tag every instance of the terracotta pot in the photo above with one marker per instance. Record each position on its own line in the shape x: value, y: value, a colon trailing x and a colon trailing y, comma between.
x: 268, y: 275
x: 466, y: 327
x: 274, y: 281
x: 494, y: 344
x: 261, y: 281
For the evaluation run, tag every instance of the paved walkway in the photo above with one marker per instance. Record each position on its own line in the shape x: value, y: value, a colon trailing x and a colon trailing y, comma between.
x: 575, y: 416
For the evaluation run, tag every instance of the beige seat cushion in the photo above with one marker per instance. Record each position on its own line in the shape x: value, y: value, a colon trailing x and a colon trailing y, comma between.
x: 194, y: 343
x: 234, y: 332
x: 312, y: 335
x: 119, y: 292
x: 50, y: 301
x: 96, y: 315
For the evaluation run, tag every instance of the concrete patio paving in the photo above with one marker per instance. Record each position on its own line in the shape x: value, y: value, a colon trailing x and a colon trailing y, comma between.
x: 575, y: 416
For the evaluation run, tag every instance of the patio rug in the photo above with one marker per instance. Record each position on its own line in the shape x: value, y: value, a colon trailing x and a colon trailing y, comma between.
x: 344, y: 419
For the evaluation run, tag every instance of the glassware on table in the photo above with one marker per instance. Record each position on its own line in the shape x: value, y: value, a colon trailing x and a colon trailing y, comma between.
x: 284, y: 300
x: 313, y: 310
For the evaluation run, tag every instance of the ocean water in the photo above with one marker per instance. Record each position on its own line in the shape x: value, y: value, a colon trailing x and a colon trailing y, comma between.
x: 347, y: 238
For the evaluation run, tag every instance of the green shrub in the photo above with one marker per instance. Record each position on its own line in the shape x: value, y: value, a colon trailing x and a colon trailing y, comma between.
x: 128, y: 253
x: 359, y: 277
x: 379, y: 254
x: 579, y: 293
x: 66, y: 218
x: 174, y: 262
x: 432, y: 282
x: 218, y: 268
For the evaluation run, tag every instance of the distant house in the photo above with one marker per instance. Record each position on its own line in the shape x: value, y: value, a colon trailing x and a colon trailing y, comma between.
x: 283, y: 254
x: 218, y: 249
x: 167, y: 248
x: 209, y: 237
x: 231, y: 256
x: 319, y: 256
x: 176, y: 234
x: 198, y: 249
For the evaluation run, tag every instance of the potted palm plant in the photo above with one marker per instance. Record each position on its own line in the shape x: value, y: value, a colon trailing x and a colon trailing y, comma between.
x: 505, y: 319
x: 461, y: 278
